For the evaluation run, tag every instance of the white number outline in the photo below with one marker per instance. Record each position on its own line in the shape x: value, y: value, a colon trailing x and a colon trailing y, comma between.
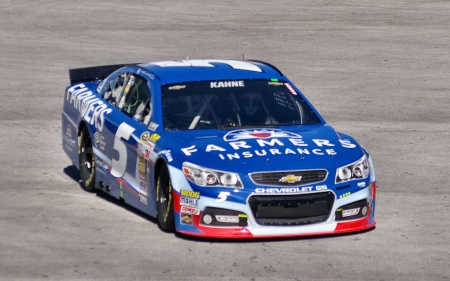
x: 119, y: 166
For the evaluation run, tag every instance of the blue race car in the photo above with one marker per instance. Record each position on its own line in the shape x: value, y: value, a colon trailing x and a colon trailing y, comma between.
x: 216, y: 148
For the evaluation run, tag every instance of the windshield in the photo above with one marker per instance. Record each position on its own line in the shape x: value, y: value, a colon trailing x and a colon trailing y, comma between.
x: 237, y: 103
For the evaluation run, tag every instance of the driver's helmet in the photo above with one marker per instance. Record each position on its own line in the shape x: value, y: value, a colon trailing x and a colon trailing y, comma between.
x: 251, y: 102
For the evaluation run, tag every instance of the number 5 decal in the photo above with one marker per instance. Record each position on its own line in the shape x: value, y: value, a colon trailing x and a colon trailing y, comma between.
x: 119, y: 166
x: 223, y: 195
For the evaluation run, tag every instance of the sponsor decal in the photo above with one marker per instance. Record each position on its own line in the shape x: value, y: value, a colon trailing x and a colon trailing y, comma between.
x: 258, y: 134
x: 145, y: 149
x: 190, y: 210
x: 291, y: 178
x: 154, y: 138
x: 321, y: 187
x: 188, y: 201
x: 150, y: 145
x: 99, y: 87
x: 168, y: 155
x: 102, y: 164
x: 361, y: 184
x: 266, y: 142
x: 227, y: 84
x: 150, y: 75
x: 289, y: 87
x: 177, y: 87
x: 350, y: 212
x: 91, y: 108
x: 68, y: 131
x: 142, y: 169
x: 344, y: 195
x: 143, y: 188
x: 347, y: 144
x: 99, y: 141
x: 283, y: 190
x: 143, y: 199
x: 276, y: 83
x: 144, y: 137
x: 142, y: 172
x: 189, y: 150
x: 153, y: 126
x: 186, y: 218
x: 69, y: 143
x: 190, y: 194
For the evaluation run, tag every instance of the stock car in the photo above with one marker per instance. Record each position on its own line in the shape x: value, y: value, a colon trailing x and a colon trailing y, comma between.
x: 216, y: 148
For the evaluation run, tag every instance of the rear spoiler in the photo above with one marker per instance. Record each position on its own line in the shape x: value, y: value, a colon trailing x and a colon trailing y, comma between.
x: 92, y: 73
x: 100, y: 72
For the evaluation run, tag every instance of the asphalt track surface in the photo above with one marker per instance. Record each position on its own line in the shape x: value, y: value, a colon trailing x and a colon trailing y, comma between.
x: 378, y: 70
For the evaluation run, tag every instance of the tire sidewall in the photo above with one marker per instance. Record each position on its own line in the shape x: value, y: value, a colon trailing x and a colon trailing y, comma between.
x: 87, y: 176
x: 165, y: 213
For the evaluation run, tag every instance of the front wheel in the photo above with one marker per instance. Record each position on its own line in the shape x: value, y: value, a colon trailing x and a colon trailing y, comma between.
x: 86, y: 161
x: 164, y: 201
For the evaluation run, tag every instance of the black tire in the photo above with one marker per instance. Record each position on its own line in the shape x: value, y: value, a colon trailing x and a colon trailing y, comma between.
x: 86, y: 160
x: 164, y: 201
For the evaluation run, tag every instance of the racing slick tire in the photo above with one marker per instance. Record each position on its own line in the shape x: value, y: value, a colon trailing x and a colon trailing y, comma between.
x: 86, y: 161
x: 164, y: 201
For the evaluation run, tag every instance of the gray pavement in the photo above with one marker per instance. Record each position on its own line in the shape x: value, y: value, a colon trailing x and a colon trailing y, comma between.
x: 378, y: 70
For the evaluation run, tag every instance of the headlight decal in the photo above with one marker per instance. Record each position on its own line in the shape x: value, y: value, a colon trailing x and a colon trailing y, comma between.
x: 210, y: 178
x: 355, y: 171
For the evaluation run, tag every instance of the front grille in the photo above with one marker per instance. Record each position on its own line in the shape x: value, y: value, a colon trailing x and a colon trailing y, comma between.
x: 279, y: 178
x: 292, y: 209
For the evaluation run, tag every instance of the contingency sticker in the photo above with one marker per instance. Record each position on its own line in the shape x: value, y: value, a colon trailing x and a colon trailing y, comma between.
x: 290, y: 89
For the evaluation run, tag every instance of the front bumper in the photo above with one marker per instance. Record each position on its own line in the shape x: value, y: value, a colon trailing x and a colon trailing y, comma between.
x: 306, y: 214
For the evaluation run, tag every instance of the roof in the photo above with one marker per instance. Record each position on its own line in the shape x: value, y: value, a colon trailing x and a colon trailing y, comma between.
x: 196, y: 70
x: 184, y: 70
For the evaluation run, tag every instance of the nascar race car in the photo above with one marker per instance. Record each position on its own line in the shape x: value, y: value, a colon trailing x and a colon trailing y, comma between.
x: 216, y: 148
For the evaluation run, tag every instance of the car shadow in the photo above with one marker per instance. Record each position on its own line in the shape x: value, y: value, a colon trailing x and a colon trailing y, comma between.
x: 72, y: 172
x: 122, y: 204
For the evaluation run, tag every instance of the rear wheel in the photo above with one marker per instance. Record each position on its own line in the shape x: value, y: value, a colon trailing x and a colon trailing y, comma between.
x: 86, y: 161
x: 164, y: 201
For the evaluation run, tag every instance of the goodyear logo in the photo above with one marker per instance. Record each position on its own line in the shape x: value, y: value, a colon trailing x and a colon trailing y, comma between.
x: 190, y: 194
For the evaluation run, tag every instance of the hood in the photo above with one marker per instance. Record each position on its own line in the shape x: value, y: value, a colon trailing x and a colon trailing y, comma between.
x: 247, y: 150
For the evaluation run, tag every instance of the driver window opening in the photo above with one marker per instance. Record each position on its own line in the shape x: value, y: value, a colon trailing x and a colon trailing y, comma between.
x: 136, y: 99
x: 114, y: 89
